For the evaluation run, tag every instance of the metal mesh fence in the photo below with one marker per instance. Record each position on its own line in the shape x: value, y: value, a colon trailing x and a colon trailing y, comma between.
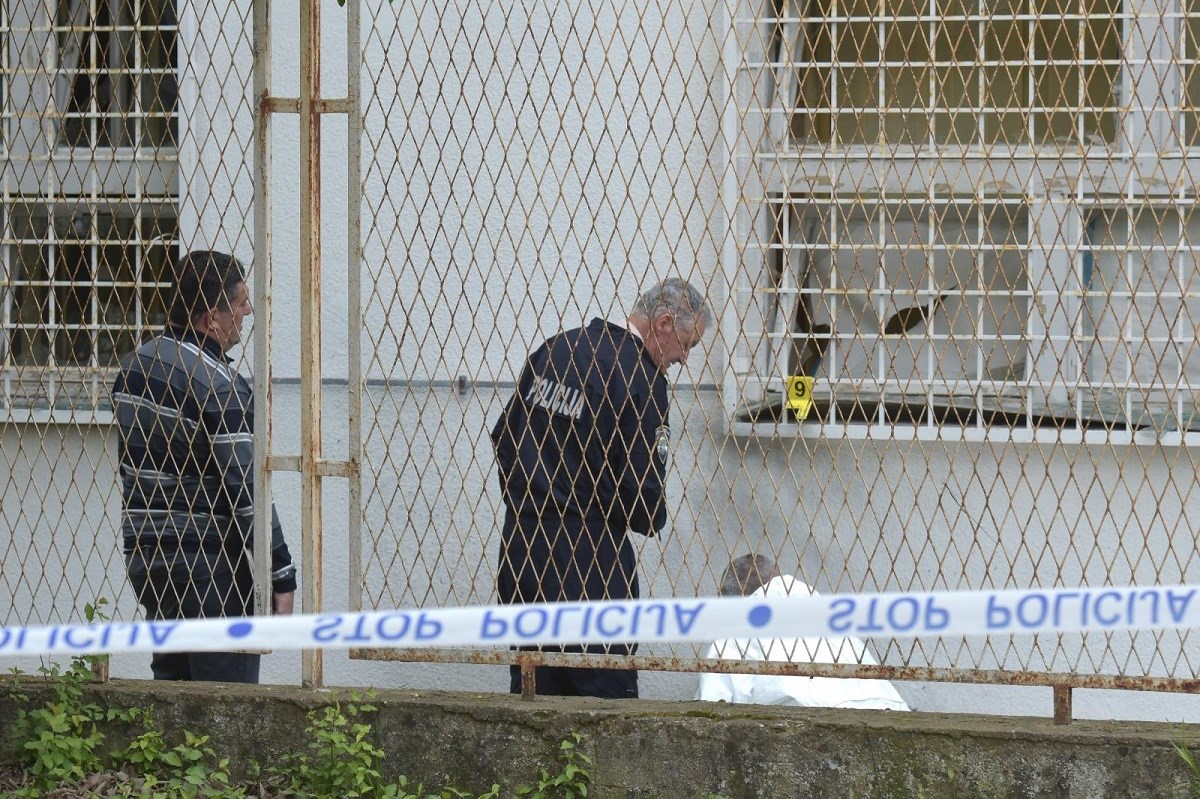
x: 967, y: 223
x: 125, y: 137
x: 949, y: 248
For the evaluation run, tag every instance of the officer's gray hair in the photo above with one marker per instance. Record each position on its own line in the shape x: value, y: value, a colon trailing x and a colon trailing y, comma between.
x: 747, y: 574
x: 677, y: 297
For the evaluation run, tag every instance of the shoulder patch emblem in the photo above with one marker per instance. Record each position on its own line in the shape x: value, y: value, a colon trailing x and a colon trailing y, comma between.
x: 662, y: 443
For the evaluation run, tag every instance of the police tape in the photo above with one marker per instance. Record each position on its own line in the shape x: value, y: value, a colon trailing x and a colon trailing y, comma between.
x: 939, y: 613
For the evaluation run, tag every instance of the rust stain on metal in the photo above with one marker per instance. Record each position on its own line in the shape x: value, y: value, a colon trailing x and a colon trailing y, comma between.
x: 279, y: 105
x: 528, y: 676
x: 310, y: 322
x: 332, y: 105
x: 1062, y: 704
x: 501, y: 657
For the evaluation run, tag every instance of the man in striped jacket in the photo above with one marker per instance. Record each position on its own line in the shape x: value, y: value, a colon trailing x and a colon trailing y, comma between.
x: 186, y: 455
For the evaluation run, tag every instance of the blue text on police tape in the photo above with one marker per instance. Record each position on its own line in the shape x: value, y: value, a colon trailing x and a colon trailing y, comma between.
x: 977, y: 612
x: 118, y: 635
x: 886, y: 614
x: 517, y: 622
x: 1030, y: 611
x: 357, y: 629
x: 1090, y: 609
x: 616, y: 622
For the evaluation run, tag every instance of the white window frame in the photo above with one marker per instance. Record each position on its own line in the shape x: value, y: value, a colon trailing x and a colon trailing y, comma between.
x: 134, y: 179
x: 1061, y: 190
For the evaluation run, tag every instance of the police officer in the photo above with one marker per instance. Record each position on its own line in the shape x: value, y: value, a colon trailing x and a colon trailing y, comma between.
x: 582, y: 449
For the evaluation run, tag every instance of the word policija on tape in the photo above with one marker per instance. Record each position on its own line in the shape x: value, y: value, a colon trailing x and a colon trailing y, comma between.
x: 942, y: 613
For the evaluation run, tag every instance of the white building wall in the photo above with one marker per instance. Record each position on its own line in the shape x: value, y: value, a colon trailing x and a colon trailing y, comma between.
x: 717, y: 511
x: 507, y: 195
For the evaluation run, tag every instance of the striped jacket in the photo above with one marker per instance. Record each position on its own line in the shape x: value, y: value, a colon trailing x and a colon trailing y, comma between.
x: 186, y: 453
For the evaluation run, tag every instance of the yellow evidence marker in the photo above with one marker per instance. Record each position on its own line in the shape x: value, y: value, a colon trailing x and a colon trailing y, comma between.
x: 799, y: 395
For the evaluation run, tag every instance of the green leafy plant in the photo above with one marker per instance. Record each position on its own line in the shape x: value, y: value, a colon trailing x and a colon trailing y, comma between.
x: 62, y: 746
x: 340, y: 758
x: 61, y: 741
x: 571, y: 782
x: 1193, y: 767
x: 190, y: 769
x: 94, y: 612
x: 401, y: 791
x: 193, y: 770
x: 144, y: 755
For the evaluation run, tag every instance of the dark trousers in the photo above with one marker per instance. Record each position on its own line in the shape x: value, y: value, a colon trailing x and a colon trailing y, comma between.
x: 204, y: 585
x: 557, y: 681
x: 205, y: 666
x: 548, y: 558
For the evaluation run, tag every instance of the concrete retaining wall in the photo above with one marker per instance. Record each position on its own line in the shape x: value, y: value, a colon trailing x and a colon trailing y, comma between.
x: 649, y: 749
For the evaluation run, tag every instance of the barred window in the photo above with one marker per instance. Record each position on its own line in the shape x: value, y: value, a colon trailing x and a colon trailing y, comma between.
x: 955, y: 71
x: 115, y: 84
x: 968, y: 219
x: 89, y: 125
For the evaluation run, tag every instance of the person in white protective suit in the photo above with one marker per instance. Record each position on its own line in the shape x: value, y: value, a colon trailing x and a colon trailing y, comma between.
x: 756, y: 575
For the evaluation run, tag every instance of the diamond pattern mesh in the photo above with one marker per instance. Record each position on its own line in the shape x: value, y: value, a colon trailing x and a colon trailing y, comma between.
x: 972, y: 225
x: 124, y: 145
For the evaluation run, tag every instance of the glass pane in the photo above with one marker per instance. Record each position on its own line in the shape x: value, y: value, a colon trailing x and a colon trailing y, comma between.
x: 1045, y: 71
x: 94, y: 290
x: 117, y: 83
x: 1190, y: 116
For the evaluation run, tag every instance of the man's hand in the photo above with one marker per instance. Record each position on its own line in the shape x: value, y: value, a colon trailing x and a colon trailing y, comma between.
x: 283, y: 604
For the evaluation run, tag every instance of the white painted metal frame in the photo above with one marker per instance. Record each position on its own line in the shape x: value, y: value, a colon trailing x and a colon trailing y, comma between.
x: 48, y: 174
x: 1059, y: 187
x: 310, y: 463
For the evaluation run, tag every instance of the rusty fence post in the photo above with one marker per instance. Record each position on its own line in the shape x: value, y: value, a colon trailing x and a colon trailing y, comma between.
x: 528, y: 676
x: 261, y: 270
x: 1062, y: 704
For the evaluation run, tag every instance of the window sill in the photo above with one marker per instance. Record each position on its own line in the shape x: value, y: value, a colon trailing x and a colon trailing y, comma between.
x: 1073, y: 151
x: 95, y: 417
x: 920, y: 418
x: 70, y: 395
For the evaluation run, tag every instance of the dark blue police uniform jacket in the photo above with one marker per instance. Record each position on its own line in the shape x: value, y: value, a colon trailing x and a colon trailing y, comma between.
x: 582, y: 448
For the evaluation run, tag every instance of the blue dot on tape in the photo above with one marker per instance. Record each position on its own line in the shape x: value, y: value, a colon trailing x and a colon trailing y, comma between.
x: 759, y: 616
x: 240, y: 629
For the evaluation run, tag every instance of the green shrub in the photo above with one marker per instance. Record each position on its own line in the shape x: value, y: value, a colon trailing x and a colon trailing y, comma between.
x: 60, y: 742
x: 61, y: 745
x: 188, y: 770
x: 569, y: 783
x: 339, y: 758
